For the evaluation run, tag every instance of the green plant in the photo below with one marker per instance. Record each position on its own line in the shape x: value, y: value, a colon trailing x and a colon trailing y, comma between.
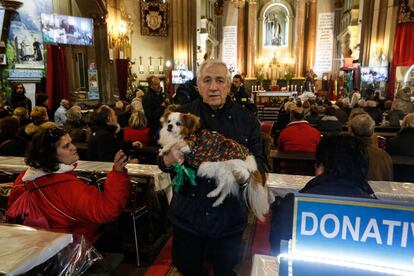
x: 260, y: 79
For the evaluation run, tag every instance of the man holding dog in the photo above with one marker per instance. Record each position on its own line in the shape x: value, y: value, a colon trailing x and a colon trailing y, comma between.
x: 198, y: 227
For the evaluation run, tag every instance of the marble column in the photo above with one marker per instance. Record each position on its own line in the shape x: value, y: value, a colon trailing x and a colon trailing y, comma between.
x: 299, y: 36
x: 241, y: 39
x: 251, y: 42
x: 311, y: 37
x: 106, y: 72
x: 183, y: 33
x: 366, y: 31
x: 336, y: 62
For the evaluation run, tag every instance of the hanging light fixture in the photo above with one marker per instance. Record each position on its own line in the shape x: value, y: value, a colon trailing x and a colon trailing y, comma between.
x: 238, y: 3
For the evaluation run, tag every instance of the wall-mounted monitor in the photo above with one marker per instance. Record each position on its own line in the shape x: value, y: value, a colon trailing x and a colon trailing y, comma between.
x: 62, y: 29
x: 374, y: 74
x: 181, y: 76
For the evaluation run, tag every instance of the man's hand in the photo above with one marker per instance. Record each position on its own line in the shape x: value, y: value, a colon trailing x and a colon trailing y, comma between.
x: 175, y: 155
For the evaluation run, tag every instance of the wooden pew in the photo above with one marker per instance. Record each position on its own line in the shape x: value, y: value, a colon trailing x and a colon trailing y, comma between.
x: 287, y: 161
x: 301, y: 163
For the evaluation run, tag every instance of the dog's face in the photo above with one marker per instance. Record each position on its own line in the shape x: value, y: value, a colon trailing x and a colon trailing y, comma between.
x: 180, y: 124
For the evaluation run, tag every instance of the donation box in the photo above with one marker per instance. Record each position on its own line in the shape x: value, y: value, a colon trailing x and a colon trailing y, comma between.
x: 349, y: 236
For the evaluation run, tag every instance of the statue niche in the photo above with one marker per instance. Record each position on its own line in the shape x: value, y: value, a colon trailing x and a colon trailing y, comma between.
x: 275, y: 26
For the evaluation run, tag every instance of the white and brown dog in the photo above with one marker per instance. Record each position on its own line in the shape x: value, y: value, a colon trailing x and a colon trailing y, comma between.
x: 215, y: 156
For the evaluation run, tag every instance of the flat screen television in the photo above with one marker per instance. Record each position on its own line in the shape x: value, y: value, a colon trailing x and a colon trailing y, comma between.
x: 63, y: 29
x: 374, y: 74
x: 181, y: 76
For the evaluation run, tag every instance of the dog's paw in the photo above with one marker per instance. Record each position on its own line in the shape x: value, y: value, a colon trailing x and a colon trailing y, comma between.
x: 185, y: 149
x: 216, y: 191
x: 219, y: 200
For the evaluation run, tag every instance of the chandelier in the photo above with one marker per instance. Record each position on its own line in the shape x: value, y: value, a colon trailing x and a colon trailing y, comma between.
x: 238, y: 3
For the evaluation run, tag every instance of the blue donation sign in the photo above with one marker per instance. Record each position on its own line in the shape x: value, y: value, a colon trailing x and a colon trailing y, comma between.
x: 360, y: 232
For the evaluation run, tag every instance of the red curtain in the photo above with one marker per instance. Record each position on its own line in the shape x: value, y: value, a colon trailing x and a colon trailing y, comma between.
x: 56, y: 76
x: 122, y: 75
x: 403, y: 51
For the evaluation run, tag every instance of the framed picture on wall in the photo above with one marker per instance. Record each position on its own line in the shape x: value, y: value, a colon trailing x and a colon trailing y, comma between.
x: 2, y: 59
x: 154, y: 18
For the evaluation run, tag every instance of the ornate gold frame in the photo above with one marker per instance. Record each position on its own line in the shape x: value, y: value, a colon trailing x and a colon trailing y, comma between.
x: 154, y: 18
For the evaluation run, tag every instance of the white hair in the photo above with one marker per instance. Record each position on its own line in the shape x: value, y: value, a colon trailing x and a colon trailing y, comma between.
x: 212, y: 62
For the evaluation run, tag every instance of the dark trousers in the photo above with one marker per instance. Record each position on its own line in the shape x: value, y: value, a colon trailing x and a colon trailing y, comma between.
x: 190, y: 252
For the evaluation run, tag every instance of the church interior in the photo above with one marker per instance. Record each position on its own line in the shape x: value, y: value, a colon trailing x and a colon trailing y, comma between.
x: 317, y: 55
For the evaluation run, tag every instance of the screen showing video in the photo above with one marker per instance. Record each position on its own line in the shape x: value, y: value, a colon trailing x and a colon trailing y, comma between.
x: 374, y: 74
x: 62, y: 29
x: 181, y: 76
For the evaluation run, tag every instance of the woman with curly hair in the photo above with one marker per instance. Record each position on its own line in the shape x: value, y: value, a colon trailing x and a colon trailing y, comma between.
x: 69, y: 204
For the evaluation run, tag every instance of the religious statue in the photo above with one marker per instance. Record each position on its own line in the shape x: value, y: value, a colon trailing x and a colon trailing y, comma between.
x: 273, y: 30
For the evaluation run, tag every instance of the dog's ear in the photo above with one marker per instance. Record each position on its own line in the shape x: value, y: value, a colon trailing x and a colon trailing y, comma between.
x: 164, y: 117
x: 191, y: 122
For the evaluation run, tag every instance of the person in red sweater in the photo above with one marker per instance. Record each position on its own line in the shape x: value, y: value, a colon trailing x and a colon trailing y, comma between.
x: 69, y: 204
x: 298, y: 134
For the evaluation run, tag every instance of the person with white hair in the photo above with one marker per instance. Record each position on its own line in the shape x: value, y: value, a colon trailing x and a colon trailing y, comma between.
x: 60, y: 113
x: 380, y: 163
x: 403, y: 143
x: 356, y: 96
x: 402, y: 100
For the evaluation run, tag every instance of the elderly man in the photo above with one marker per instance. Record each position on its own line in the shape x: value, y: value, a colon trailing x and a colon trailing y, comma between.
x: 154, y: 103
x: 380, y: 163
x: 60, y: 113
x: 198, y: 227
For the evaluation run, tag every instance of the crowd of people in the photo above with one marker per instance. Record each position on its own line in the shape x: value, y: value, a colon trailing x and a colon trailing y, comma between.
x: 344, y: 162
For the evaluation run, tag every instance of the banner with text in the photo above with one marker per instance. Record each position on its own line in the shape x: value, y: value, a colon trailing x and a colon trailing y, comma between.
x: 230, y: 48
x: 324, y: 43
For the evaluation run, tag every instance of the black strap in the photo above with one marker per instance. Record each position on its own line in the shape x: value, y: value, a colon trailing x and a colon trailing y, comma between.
x: 5, y: 143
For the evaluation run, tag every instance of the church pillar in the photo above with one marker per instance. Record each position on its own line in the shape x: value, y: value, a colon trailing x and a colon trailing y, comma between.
x: 336, y: 62
x: 241, y: 65
x: 366, y: 30
x: 251, y: 42
x: 300, y: 42
x: 106, y: 71
x: 311, y: 35
x: 183, y: 33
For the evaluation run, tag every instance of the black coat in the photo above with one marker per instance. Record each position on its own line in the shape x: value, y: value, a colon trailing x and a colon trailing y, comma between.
x: 13, y: 147
x: 20, y: 101
x: 151, y: 103
x: 282, y: 209
x: 402, y: 144
x: 104, y: 143
x: 241, y: 97
x: 190, y: 208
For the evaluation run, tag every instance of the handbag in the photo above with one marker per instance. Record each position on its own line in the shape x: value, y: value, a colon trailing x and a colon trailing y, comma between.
x: 25, y: 210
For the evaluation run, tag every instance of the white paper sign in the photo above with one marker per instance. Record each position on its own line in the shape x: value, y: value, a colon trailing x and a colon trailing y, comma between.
x: 324, y: 43
x: 230, y: 47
